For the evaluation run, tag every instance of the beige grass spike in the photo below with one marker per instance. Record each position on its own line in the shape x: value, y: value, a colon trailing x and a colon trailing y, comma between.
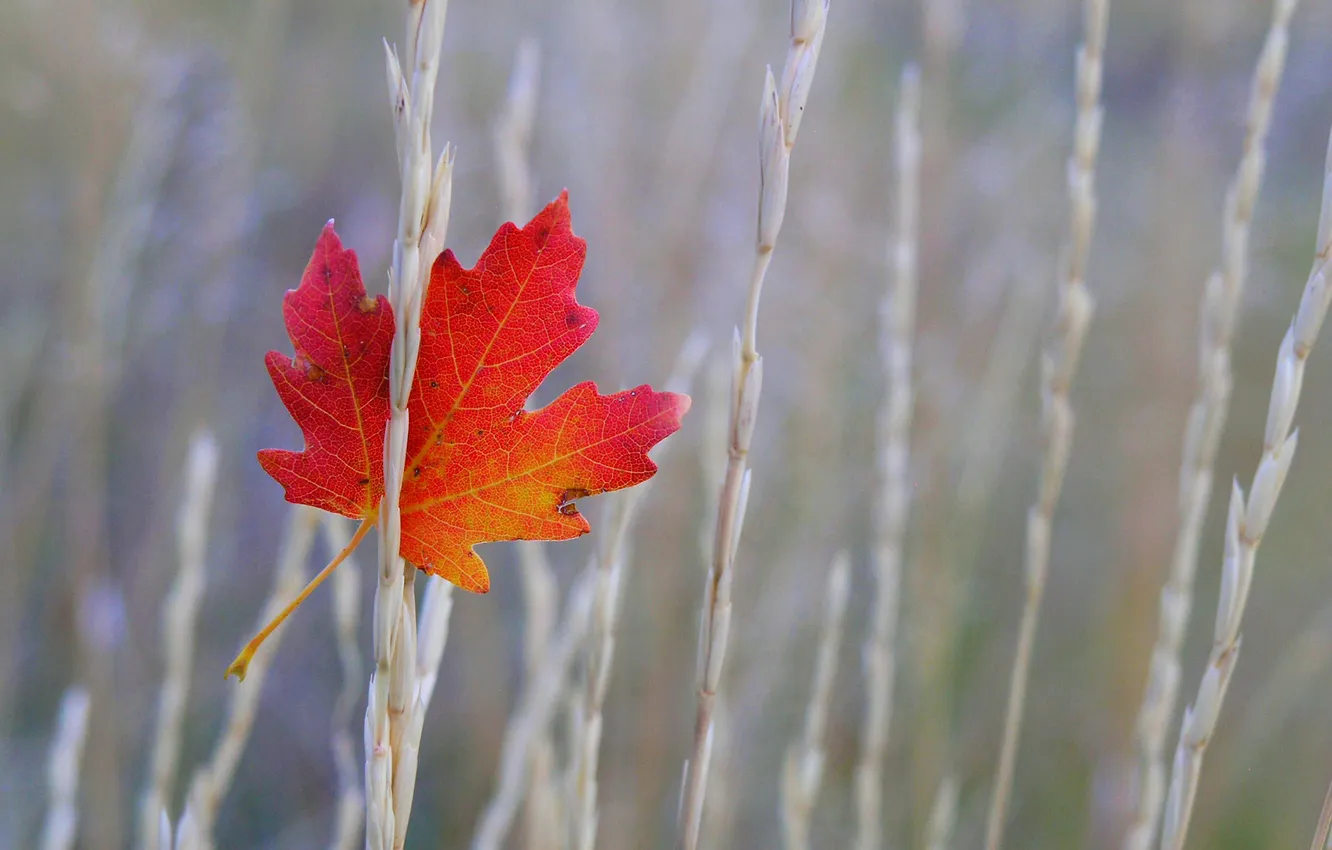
x: 1059, y: 364
x: 897, y: 328
x: 1219, y: 314
x: 1246, y: 523
x: 780, y: 113
x: 179, y: 614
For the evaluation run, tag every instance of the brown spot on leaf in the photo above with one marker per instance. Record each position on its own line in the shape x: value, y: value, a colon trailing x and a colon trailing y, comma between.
x: 367, y: 304
x: 306, y: 365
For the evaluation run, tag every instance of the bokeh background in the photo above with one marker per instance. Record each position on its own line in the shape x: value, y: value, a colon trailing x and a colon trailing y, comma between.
x: 165, y: 168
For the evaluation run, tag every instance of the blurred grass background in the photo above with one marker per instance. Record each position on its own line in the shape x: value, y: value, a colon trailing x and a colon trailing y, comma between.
x: 167, y: 166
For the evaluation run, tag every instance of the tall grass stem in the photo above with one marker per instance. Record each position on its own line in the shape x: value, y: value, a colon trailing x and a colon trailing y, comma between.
x: 781, y: 114
x: 349, y: 820
x: 802, y: 774
x: 423, y: 213
x: 212, y: 781
x: 62, y: 771
x: 897, y: 327
x: 1246, y: 522
x: 1059, y: 364
x: 1202, y: 436
x: 179, y: 614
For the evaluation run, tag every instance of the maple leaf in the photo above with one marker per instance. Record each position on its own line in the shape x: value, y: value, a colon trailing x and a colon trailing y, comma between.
x: 335, y: 386
x: 479, y: 467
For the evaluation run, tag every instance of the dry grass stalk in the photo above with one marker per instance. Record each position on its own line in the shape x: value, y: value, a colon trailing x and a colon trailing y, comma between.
x: 585, y: 747
x: 94, y: 328
x: 896, y: 334
x: 542, y: 817
x: 428, y: 639
x: 178, y: 619
x: 1285, y: 688
x: 22, y: 337
x: 1320, y: 841
x: 392, y: 714
x: 608, y: 569
x: 690, y: 140
x: 987, y: 430
x: 93, y: 323
x: 513, y: 134
x: 714, y: 440
x: 1058, y: 366
x: 1202, y: 435
x: 1246, y: 521
x: 212, y: 780
x: 585, y: 720
x: 943, y: 816
x: 781, y: 111
x: 62, y: 771
x: 158, y: 124
x: 719, y: 808
x: 803, y: 772
x: 532, y: 716
x: 350, y: 817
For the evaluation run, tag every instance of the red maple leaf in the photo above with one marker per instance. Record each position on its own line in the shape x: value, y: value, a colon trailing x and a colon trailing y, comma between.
x: 479, y: 467
x: 335, y: 385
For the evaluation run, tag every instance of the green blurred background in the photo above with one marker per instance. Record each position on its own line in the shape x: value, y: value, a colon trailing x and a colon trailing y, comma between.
x: 166, y: 167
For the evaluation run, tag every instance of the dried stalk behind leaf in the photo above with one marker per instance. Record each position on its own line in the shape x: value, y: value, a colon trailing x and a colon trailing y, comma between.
x: 542, y: 817
x: 90, y: 370
x: 897, y: 325
x: 1202, y: 435
x: 72, y: 408
x: 943, y: 817
x: 350, y: 818
x: 211, y: 782
x: 62, y: 771
x: 585, y: 721
x: 22, y: 338
x: 531, y: 717
x: 513, y: 134
x: 1285, y: 688
x: 429, y: 638
x: 1246, y: 521
x: 692, y: 133
x: 423, y: 213
x: 178, y: 619
x: 803, y: 772
x: 719, y: 808
x: 609, y: 568
x: 781, y: 111
x: 1058, y: 366
x: 1324, y: 823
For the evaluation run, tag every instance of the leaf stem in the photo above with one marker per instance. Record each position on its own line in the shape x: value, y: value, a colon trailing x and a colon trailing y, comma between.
x: 242, y: 662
